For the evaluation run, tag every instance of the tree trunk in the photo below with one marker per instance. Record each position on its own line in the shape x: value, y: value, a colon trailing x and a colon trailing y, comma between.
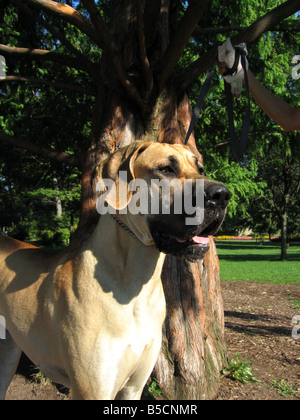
x: 58, y: 205
x: 284, y: 223
x: 194, y: 348
x: 284, y: 236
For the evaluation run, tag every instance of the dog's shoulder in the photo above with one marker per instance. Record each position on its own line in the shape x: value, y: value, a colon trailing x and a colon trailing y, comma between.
x: 13, y: 251
x: 9, y: 245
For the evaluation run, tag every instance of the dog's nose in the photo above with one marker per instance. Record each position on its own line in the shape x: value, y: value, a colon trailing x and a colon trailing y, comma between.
x: 217, y: 194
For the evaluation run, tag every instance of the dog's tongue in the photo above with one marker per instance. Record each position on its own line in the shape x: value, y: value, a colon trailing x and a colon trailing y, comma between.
x: 200, y: 240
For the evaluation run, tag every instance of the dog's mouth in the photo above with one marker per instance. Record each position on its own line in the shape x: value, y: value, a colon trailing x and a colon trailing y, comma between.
x: 193, y: 248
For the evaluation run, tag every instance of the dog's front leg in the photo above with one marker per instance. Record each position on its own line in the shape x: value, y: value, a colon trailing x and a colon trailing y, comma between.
x: 97, y: 377
x: 10, y: 355
x: 134, y: 387
x: 115, y: 372
x: 90, y: 389
x: 95, y: 382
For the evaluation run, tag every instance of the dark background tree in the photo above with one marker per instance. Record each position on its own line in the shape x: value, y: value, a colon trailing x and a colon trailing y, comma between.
x: 282, y: 175
x: 87, y: 77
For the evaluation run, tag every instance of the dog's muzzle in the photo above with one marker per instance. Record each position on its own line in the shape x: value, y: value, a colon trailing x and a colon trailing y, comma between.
x: 172, y: 236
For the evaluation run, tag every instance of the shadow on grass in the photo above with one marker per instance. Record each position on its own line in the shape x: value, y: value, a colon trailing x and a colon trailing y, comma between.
x: 250, y: 316
x: 245, y: 245
x: 252, y: 257
x: 244, y: 251
x: 262, y: 329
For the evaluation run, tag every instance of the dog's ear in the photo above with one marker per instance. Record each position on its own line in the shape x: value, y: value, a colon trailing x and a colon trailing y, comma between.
x: 120, y: 169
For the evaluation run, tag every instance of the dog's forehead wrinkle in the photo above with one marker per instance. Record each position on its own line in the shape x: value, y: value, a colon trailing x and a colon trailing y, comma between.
x: 163, y: 154
x: 173, y: 160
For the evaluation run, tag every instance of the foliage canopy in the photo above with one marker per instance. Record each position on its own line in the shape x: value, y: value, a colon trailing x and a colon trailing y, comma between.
x: 50, y: 102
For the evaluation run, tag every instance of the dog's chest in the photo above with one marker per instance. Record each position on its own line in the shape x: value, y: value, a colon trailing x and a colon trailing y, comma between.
x: 124, y: 310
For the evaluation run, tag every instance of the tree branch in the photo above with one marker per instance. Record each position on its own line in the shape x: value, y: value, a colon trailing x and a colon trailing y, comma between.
x: 143, y: 50
x: 152, y: 11
x: 124, y: 79
x: 221, y: 144
x: 85, y: 63
x: 235, y: 28
x: 97, y: 20
x: 249, y: 35
x: 58, y: 85
x: 47, y: 152
x: 181, y: 38
x: 68, y: 14
x: 57, y: 35
x: 36, y: 54
x: 274, y: 17
x: 111, y: 49
x: 197, y: 68
x: 215, y: 31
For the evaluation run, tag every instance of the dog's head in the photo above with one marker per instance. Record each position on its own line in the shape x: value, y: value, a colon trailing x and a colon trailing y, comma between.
x: 164, y: 187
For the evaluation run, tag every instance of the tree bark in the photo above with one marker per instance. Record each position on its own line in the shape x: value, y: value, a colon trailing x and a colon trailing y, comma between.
x: 284, y: 229
x: 194, y: 348
x: 284, y: 237
x: 58, y: 205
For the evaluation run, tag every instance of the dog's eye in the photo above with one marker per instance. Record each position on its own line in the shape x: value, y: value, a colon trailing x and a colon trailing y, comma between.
x: 167, y: 170
x: 201, y: 170
x: 199, y: 167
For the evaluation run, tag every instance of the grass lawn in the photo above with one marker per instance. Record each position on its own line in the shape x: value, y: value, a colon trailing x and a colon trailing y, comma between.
x: 249, y: 261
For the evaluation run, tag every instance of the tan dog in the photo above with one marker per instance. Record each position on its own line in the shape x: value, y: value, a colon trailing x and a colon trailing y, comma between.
x: 92, y: 319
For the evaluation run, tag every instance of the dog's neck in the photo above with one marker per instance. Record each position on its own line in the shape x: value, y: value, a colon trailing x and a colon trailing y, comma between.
x: 108, y: 239
x: 136, y: 227
x: 109, y: 234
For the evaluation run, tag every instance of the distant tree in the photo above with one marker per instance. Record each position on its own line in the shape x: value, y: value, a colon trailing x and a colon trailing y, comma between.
x: 242, y: 182
x: 280, y: 168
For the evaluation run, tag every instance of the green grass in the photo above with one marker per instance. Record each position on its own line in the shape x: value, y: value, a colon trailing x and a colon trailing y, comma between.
x: 249, y: 261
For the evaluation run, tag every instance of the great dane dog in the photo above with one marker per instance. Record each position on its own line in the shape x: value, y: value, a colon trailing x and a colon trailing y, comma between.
x: 91, y: 319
